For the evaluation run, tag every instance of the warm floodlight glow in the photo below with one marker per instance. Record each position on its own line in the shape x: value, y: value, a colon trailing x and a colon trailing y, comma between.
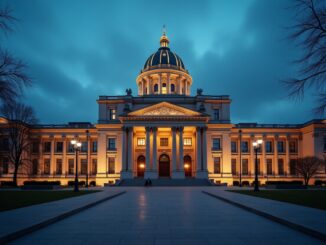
x: 78, y: 144
x: 142, y: 165
x: 73, y: 142
x: 260, y: 141
x: 255, y: 144
x: 186, y: 166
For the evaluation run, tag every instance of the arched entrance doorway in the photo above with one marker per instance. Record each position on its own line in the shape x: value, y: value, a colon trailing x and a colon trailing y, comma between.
x: 164, y: 166
x: 141, y: 166
x: 187, y: 166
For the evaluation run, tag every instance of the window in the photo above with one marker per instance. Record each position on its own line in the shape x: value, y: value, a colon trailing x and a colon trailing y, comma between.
x: 234, y: 166
x: 233, y: 146
x: 70, y: 148
x: 293, y: 146
x: 112, y: 114
x: 59, y: 147
x: 83, y: 167
x: 35, y: 167
x: 47, y: 147
x: 187, y: 141
x: 324, y: 144
x: 5, y: 165
x: 164, y: 88
x: 216, y: 144
x: 111, y: 144
x: 245, y: 146
x: 172, y: 88
x: 280, y: 146
x: 94, y: 166
x: 280, y: 164
x: 269, y: 166
x: 268, y: 146
x: 155, y: 88
x: 84, y: 147
x: 164, y: 142
x: 216, y: 114
x: 4, y: 144
x: 111, y: 163
x: 94, y: 146
x: 58, y: 169
x: 217, y: 165
x: 245, y: 169
x: 47, y: 166
x: 293, y: 166
x: 35, y: 147
x: 71, y: 166
x: 141, y: 141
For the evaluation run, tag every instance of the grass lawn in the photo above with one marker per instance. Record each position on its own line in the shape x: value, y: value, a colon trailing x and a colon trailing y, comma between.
x: 18, y: 199
x: 309, y: 198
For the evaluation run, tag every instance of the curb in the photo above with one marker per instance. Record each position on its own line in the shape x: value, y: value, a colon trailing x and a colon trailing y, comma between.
x: 20, y: 233
x: 313, y: 233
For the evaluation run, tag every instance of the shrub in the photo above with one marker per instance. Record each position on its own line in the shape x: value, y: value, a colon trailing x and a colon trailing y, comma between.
x: 72, y: 183
x: 35, y: 182
x: 292, y: 182
x: 320, y: 182
x: 236, y: 183
x: 245, y: 183
x: 7, y: 183
x: 92, y: 183
x: 253, y: 183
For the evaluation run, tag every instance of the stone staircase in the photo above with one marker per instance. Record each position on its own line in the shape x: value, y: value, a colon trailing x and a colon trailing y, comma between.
x: 166, y: 182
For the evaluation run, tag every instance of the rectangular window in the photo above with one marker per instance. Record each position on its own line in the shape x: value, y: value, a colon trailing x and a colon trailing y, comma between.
x: 84, y: 147
x: 83, y: 163
x: 111, y: 167
x: 5, y: 165
x: 59, y: 147
x: 245, y: 169
x: 216, y: 144
x: 268, y: 146
x: 141, y: 141
x: 217, y: 165
x: 35, y: 167
x: 111, y: 144
x: 164, y: 142
x: 47, y: 147
x: 112, y: 114
x: 47, y: 166
x: 70, y: 147
x: 234, y: 166
x: 94, y: 166
x: 280, y: 147
x: 269, y: 166
x: 245, y: 146
x: 35, y: 147
x: 280, y: 164
x: 187, y: 141
x: 94, y: 146
x: 58, y: 169
x: 216, y: 114
x: 71, y: 166
x: 4, y: 144
x: 233, y: 146
x: 293, y: 167
x: 293, y: 146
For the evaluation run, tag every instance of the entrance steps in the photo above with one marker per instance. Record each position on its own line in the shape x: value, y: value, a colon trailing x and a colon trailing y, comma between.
x: 166, y: 182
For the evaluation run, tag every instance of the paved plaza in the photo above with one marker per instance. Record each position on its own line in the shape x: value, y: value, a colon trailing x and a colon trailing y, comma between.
x: 163, y: 215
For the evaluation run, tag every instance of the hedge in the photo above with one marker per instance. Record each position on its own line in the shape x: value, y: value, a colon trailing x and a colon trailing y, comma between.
x: 35, y: 182
x: 293, y: 182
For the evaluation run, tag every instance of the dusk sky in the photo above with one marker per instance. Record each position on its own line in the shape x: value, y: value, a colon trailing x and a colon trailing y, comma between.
x: 77, y: 50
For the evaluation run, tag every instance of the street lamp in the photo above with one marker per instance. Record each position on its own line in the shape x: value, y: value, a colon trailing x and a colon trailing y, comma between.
x: 77, y: 146
x: 256, y: 146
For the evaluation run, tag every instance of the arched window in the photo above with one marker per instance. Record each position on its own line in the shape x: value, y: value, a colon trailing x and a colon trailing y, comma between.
x: 172, y: 88
x: 164, y: 88
x: 156, y: 88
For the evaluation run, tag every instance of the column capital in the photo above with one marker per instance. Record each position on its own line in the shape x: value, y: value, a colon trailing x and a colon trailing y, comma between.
x: 198, y: 128
x: 174, y: 129
x: 148, y: 129
x: 180, y: 128
x: 154, y: 129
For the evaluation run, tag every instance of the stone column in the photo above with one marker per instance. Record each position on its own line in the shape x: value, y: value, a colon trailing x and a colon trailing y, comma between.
x: 226, y: 158
x: 130, y: 149
x: 151, y: 167
x: 125, y: 172
x: 168, y: 84
x: 174, y: 149
x: 274, y: 164
x: 154, y: 165
x: 180, y: 168
x: 148, y: 148
x: 64, y: 156
x: 198, y: 151
x: 263, y: 160
x: 160, y: 85
x: 204, y: 150
x: 287, y: 153
x: 101, y: 154
x: 52, y: 159
x: 177, y: 170
x: 252, y: 156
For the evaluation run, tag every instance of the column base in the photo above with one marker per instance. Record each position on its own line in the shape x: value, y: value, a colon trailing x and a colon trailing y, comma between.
x: 150, y: 175
x: 126, y: 175
x: 178, y: 174
x: 201, y: 174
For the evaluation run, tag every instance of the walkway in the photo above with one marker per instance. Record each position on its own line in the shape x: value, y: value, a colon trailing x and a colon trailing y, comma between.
x: 161, y: 215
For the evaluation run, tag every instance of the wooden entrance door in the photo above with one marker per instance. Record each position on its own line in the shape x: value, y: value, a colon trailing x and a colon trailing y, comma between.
x: 164, y: 166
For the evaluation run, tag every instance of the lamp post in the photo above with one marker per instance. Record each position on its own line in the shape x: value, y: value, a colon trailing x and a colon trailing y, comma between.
x: 256, y: 146
x: 77, y: 146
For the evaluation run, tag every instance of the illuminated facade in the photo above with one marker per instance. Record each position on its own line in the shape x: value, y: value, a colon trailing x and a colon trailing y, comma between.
x: 164, y: 132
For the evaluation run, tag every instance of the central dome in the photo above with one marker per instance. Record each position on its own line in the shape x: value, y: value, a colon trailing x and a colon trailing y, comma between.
x: 164, y: 58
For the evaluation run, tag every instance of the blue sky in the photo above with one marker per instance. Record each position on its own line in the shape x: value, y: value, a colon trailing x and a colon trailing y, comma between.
x: 79, y: 49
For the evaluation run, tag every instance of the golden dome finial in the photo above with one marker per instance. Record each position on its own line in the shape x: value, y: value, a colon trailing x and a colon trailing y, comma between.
x: 164, y: 41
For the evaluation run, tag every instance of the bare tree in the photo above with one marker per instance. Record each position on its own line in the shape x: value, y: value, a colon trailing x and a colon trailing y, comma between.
x: 308, y: 167
x: 13, y: 76
x: 19, y: 117
x: 310, y: 34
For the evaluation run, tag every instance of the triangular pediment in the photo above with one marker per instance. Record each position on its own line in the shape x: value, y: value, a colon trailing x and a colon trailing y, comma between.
x: 164, y: 109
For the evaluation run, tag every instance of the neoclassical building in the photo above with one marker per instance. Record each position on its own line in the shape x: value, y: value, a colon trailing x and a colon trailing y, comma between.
x: 165, y: 132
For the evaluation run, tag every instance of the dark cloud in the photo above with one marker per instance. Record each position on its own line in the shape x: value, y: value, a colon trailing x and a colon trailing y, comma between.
x: 77, y: 50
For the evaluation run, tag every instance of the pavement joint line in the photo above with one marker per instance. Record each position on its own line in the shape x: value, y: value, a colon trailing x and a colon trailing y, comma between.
x: 25, y: 231
x: 313, y: 233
